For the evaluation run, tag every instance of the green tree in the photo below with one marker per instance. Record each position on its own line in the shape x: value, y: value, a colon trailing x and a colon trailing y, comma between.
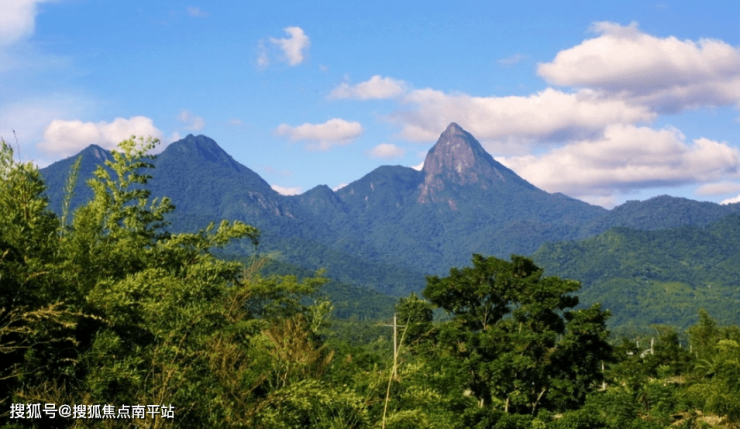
x: 703, y: 335
x: 417, y: 315
x: 715, y: 386
x: 166, y: 321
x: 516, y: 342
x: 38, y: 315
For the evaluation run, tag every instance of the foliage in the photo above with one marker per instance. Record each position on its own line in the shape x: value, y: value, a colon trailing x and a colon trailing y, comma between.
x: 512, y: 333
x: 165, y: 321
x: 655, y: 277
x: 112, y: 305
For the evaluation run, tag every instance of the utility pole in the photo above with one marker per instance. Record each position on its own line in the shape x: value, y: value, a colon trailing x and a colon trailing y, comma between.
x: 395, y: 327
x: 394, y: 375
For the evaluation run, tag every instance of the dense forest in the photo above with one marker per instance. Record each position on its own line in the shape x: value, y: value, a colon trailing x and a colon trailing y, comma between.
x: 655, y: 277
x: 106, y: 312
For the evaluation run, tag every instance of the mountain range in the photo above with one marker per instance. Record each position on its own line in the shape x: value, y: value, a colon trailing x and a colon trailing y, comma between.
x: 389, y: 229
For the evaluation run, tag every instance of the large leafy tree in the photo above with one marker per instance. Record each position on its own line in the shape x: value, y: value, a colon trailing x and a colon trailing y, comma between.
x: 518, y: 344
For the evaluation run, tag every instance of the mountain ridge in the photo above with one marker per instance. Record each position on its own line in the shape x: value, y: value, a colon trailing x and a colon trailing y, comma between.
x: 402, y: 222
x: 650, y: 277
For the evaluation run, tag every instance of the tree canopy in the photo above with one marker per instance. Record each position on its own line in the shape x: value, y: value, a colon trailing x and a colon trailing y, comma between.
x: 513, y: 331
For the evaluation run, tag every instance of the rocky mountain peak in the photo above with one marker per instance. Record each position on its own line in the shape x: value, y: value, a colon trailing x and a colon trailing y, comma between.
x: 458, y: 158
x: 97, y: 153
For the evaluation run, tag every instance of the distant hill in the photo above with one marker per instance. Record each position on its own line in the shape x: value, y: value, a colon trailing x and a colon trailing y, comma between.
x: 655, y: 277
x: 390, y: 228
x: 384, y: 231
x: 658, y: 213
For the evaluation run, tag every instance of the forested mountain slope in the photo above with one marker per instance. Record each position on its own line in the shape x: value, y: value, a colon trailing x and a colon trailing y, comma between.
x: 655, y: 277
x: 390, y: 228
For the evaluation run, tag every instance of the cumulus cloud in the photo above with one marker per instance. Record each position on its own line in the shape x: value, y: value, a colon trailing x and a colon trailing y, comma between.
x: 292, y: 46
x: 376, y: 87
x: 627, y: 158
x: 66, y: 138
x: 334, y: 132
x: 549, y: 116
x: 719, y: 188
x: 514, y: 59
x: 287, y: 190
x: 666, y: 74
x: 28, y: 117
x: 192, y: 122
x: 18, y: 20
x: 418, y: 167
x: 386, y: 151
x: 731, y: 200
x: 196, y: 12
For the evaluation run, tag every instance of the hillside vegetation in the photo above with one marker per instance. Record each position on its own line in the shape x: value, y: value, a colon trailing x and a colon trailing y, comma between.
x: 655, y: 277
x: 106, y: 311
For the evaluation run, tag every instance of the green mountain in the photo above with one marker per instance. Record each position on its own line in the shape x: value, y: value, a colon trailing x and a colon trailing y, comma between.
x: 461, y: 202
x: 393, y: 226
x: 56, y: 175
x: 384, y: 231
x: 658, y: 213
x: 655, y: 277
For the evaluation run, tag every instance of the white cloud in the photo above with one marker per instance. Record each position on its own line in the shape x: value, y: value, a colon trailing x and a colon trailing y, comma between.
x: 667, y: 74
x: 28, y: 117
x: 376, y: 87
x: 193, y: 123
x: 627, y: 158
x: 66, y: 138
x: 175, y: 136
x: 549, y: 116
x: 287, y: 190
x: 339, y: 186
x: 418, y: 167
x: 731, y: 200
x: 514, y: 59
x: 196, y: 12
x: 18, y: 20
x: 718, y: 188
x: 235, y: 122
x: 263, y: 60
x: 606, y: 201
x: 293, y: 46
x: 331, y: 133
x: 386, y: 151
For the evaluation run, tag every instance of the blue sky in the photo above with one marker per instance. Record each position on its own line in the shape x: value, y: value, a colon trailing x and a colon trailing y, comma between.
x: 603, y: 101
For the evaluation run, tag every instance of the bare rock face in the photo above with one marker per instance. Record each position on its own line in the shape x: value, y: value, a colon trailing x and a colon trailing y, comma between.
x: 459, y: 159
x: 99, y: 153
